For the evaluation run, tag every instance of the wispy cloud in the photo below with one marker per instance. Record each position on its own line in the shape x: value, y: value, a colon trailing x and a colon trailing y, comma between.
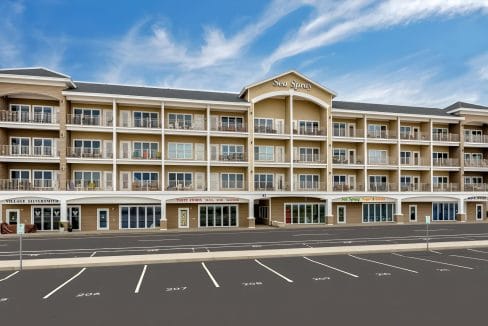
x: 10, y: 51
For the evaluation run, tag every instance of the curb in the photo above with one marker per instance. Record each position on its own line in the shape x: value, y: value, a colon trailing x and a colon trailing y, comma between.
x: 104, y: 261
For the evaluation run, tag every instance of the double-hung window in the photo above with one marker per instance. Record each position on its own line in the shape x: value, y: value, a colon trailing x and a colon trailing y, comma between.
x: 263, y: 181
x: 264, y: 153
x: 87, y: 148
x: 340, y: 129
x: 180, y: 121
x: 232, y: 180
x: 308, y: 127
x: 42, y: 114
x: 20, y: 112
x: 43, y: 179
x: 339, y: 156
x: 20, y: 146
x: 180, y: 180
x: 263, y: 125
x: 308, y: 181
x: 43, y: 146
x: 20, y: 175
x: 146, y: 150
x: 232, y: 152
x: 88, y: 117
x: 146, y: 119
x: 180, y: 151
x: 232, y: 123
x: 309, y: 154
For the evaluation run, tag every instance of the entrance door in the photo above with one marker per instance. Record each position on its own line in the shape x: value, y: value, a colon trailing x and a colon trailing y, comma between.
x: 13, y: 216
x: 341, y: 214
x: 183, y: 217
x: 479, y: 212
x: 102, y: 219
x: 412, y: 213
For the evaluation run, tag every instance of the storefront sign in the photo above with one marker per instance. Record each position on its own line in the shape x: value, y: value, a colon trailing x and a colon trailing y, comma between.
x: 206, y: 200
x: 296, y: 85
x: 35, y: 201
x: 477, y: 198
x: 364, y: 199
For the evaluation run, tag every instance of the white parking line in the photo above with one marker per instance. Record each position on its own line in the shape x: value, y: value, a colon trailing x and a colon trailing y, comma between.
x: 432, y: 261
x: 62, y: 285
x: 139, y: 283
x: 331, y: 267
x: 273, y: 271
x: 93, y: 254
x: 384, y: 264
x: 210, y: 275
x: 153, y: 240
x: 307, y: 245
x: 208, y: 250
x: 480, y: 251
x: 9, y: 276
x: 435, y: 252
x: 473, y: 258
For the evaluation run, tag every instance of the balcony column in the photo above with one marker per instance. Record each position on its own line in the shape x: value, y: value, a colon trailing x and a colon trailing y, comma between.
x: 290, y: 125
x: 398, y: 217
x: 461, y: 214
x: 114, y: 146
x: 251, y: 219
x: 163, y: 222
x: 63, y: 208
x: 328, y: 212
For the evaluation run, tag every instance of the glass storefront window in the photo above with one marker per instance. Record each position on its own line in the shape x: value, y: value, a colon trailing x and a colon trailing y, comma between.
x: 378, y: 212
x: 305, y: 213
x: 218, y: 215
x: 140, y: 217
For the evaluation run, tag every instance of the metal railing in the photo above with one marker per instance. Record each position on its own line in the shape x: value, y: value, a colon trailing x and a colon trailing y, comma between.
x: 476, y: 187
x: 410, y: 161
x: 26, y: 117
x: 197, y: 124
x: 138, y: 154
x: 27, y: 185
x: 340, y: 132
x: 310, y: 132
x: 309, y: 158
x: 445, y: 162
x: 480, y: 163
x: 230, y: 186
x: 343, y: 187
x: 381, y: 134
x: 481, y: 139
x: 83, y: 120
x: 414, y: 136
x: 97, y: 153
x: 414, y: 187
x: 270, y: 186
x: 439, y: 136
x: 309, y: 186
x: 146, y: 186
x: 387, y: 161
x: 84, y: 185
x: 446, y: 187
x: 269, y: 130
x: 196, y: 156
x: 345, y: 161
x: 238, y: 127
x: 28, y: 151
x: 382, y: 187
x: 234, y: 157
x: 141, y: 123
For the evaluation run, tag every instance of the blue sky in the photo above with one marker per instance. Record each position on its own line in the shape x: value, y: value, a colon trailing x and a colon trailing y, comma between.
x: 415, y: 52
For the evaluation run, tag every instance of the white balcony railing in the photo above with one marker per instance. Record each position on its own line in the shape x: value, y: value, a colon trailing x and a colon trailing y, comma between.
x: 28, y: 151
x: 445, y: 137
x: 92, y: 153
x: 26, y: 117
x: 28, y: 185
x: 84, y: 120
x: 445, y: 162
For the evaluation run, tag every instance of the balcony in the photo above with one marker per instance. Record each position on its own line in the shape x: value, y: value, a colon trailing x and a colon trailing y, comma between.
x: 28, y: 151
x: 414, y: 136
x: 268, y: 130
x: 27, y: 185
x: 146, y: 186
x: 382, y: 161
x: 380, y: 187
x: 92, y: 153
x: 310, y: 158
x: 83, y: 120
x: 445, y: 137
x: 309, y: 132
x: 343, y: 187
x: 229, y: 127
x: 310, y: 186
x: 26, y: 117
x: 415, y: 187
x: 345, y: 161
x: 138, y: 154
x: 381, y: 135
x: 476, y: 187
x: 347, y: 133
x: 233, y: 157
x: 410, y: 161
x: 446, y: 187
x: 82, y: 185
x: 479, y: 139
x: 445, y: 162
x: 141, y: 123
x: 480, y: 163
x: 196, y: 124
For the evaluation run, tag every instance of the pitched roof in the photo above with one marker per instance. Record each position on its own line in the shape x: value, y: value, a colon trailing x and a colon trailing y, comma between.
x: 357, y: 106
x: 459, y: 105
x: 34, y: 72
x: 144, y: 91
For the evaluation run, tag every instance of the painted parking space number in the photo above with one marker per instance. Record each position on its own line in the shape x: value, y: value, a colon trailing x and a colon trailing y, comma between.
x: 88, y: 294
x: 323, y: 278
x: 176, y: 289
x: 383, y: 274
x: 252, y: 283
x: 443, y: 270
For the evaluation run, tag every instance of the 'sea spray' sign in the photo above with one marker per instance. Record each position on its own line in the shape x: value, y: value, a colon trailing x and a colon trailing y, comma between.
x: 293, y: 84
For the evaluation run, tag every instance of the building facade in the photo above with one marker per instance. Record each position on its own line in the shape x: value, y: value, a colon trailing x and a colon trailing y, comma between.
x: 282, y: 152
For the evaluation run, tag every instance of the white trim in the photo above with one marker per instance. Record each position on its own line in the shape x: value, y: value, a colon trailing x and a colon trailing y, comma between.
x: 181, y: 209
x: 394, y: 114
x: 345, y: 214
x: 98, y: 218
x: 416, y: 213
x: 7, y: 218
x: 220, y: 205
x: 298, y: 217
x: 476, y: 212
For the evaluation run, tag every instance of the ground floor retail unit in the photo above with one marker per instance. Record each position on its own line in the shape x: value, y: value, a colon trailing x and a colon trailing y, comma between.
x: 129, y: 212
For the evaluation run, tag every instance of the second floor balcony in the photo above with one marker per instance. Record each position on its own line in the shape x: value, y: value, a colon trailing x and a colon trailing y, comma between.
x: 28, y: 151
x: 414, y: 187
x: 141, y: 123
x: 414, y: 136
x: 444, y: 137
x: 310, y: 158
x: 91, y: 153
x: 382, y: 187
x: 229, y: 127
x: 476, y: 187
x: 387, y: 134
x: 28, y: 117
x: 382, y: 161
x: 229, y: 157
x: 141, y: 154
x: 344, y: 187
x: 447, y: 187
x: 476, y: 163
x: 89, y: 120
x: 28, y: 185
x: 309, y: 186
x: 445, y: 162
x: 309, y: 131
x: 88, y: 185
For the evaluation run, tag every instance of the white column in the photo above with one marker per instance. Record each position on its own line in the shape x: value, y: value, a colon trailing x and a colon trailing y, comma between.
x: 290, y: 107
x: 328, y: 212
x: 163, y: 149
x: 207, y: 182
x: 163, y: 221
x: 64, y: 210
x: 114, y: 145
x: 251, y: 214
x: 398, y: 211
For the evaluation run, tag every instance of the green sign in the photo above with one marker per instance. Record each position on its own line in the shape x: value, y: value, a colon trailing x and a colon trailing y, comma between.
x: 427, y: 220
x: 20, y: 228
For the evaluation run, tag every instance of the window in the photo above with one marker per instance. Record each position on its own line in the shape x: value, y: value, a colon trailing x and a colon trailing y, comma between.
x: 405, y: 157
x: 308, y: 127
x: 180, y: 121
x: 232, y: 180
x: 304, y: 213
x: 19, y: 146
x: 43, y: 179
x: 378, y: 183
x: 263, y: 125
x: 232, y: 123
x: 146, y: 150
x: 145, y: 179
x: 309, y: 154
x: 20, y: 112
x: 440, y: 134
x: 180, y: 180
x: 476, y: 180
x: 43, y: 146
x: 406, y: 132
x: 140, y: 217
x: 87, y: 179
x: 340, y: 129
x: 264, y: 153
x: 46, y: 218
x: 87, y: 148
x: 42, y: 114
x: 146, y: 119
x: 339, y: 156
x: 180, y: 151
x: 263, y: 181
x: 308, y: 181
x: 440, y: 158
x: 444, y: 211
x: 233, y: 152
x: 218, y: 215
x: 20, y: 176
x: 377, y: 131
x: 473, y: 156
x: 378, y: 212
x: 473, y: 135
x: 377, y: 156
x: 89, y: 117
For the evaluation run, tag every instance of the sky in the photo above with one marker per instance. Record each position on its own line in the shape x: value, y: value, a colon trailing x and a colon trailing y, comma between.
x: 408, y: 52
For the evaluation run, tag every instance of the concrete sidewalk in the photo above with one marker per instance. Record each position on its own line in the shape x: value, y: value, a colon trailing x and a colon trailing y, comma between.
x: 10, y: 265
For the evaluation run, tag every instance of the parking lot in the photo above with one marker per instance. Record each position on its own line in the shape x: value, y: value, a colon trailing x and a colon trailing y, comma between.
x: 379, y: 289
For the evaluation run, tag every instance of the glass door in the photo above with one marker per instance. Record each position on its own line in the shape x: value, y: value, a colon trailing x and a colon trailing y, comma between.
x: 13, y: 216
x: 183, y: 217
x: 341, y: 214
x: 102, y: 219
